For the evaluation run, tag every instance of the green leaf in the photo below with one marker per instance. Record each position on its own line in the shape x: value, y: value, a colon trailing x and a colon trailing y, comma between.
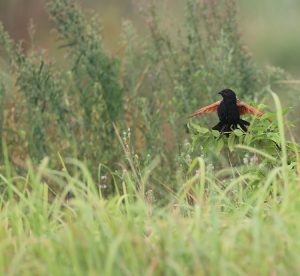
x: 219, y: 146
x: 274, y: 137
x: 248, y: 138
x: 215, y: 133
x: 268, y: 116
x: 238, y: 132
x: 199, y: 129
x: 231, y: 141
x: 193, y: 165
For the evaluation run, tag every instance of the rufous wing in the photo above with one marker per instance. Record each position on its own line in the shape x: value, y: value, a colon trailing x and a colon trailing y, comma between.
x: 248, y: 109
x: 206, y: 109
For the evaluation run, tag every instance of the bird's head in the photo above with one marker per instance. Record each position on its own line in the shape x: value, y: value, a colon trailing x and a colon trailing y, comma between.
x: 227, y: 94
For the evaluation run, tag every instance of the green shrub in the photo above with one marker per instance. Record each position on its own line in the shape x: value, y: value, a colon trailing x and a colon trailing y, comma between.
x: 72, y: 108
x: 237, y: 220
x: 112, y: 184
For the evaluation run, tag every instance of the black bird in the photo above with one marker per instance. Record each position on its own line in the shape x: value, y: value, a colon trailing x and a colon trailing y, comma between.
x: 229, y: 111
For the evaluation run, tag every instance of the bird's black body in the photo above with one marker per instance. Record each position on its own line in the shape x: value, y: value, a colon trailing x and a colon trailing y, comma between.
x: 229, y: 114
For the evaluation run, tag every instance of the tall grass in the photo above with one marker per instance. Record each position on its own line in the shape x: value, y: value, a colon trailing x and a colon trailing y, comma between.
x: 233, y: 227
x: 149, y: 85
x: 240, y: 222
x: 98, y: 175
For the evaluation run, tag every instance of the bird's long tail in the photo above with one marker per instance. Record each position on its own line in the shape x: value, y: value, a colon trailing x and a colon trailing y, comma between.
x: 226, y: 128
x: 243, y: 124
x: 223, y: 128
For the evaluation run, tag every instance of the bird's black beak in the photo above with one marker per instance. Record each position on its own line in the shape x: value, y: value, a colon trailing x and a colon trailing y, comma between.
x: 220, y: 93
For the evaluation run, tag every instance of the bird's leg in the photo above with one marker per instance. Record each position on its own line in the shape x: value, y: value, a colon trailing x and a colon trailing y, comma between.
x: 224, y: 130
x: 219, y: 127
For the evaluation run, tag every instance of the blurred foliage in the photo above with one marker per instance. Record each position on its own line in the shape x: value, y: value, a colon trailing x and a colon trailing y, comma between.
x: 268, y: 26
x: 89, y: 122
x: 269, y: 29
x: 92, y: 101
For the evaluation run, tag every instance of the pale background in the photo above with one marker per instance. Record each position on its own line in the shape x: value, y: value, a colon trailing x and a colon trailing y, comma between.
x: 269, y: 27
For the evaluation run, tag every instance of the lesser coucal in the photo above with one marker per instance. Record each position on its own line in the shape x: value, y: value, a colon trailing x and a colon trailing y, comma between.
x: 229, y: 111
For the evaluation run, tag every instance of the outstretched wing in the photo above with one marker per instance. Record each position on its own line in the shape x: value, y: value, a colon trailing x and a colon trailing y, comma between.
x: 207, y: 109
x: 248, y: 109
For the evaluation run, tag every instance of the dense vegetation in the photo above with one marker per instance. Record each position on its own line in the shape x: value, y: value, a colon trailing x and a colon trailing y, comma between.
x: 101, y: 170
